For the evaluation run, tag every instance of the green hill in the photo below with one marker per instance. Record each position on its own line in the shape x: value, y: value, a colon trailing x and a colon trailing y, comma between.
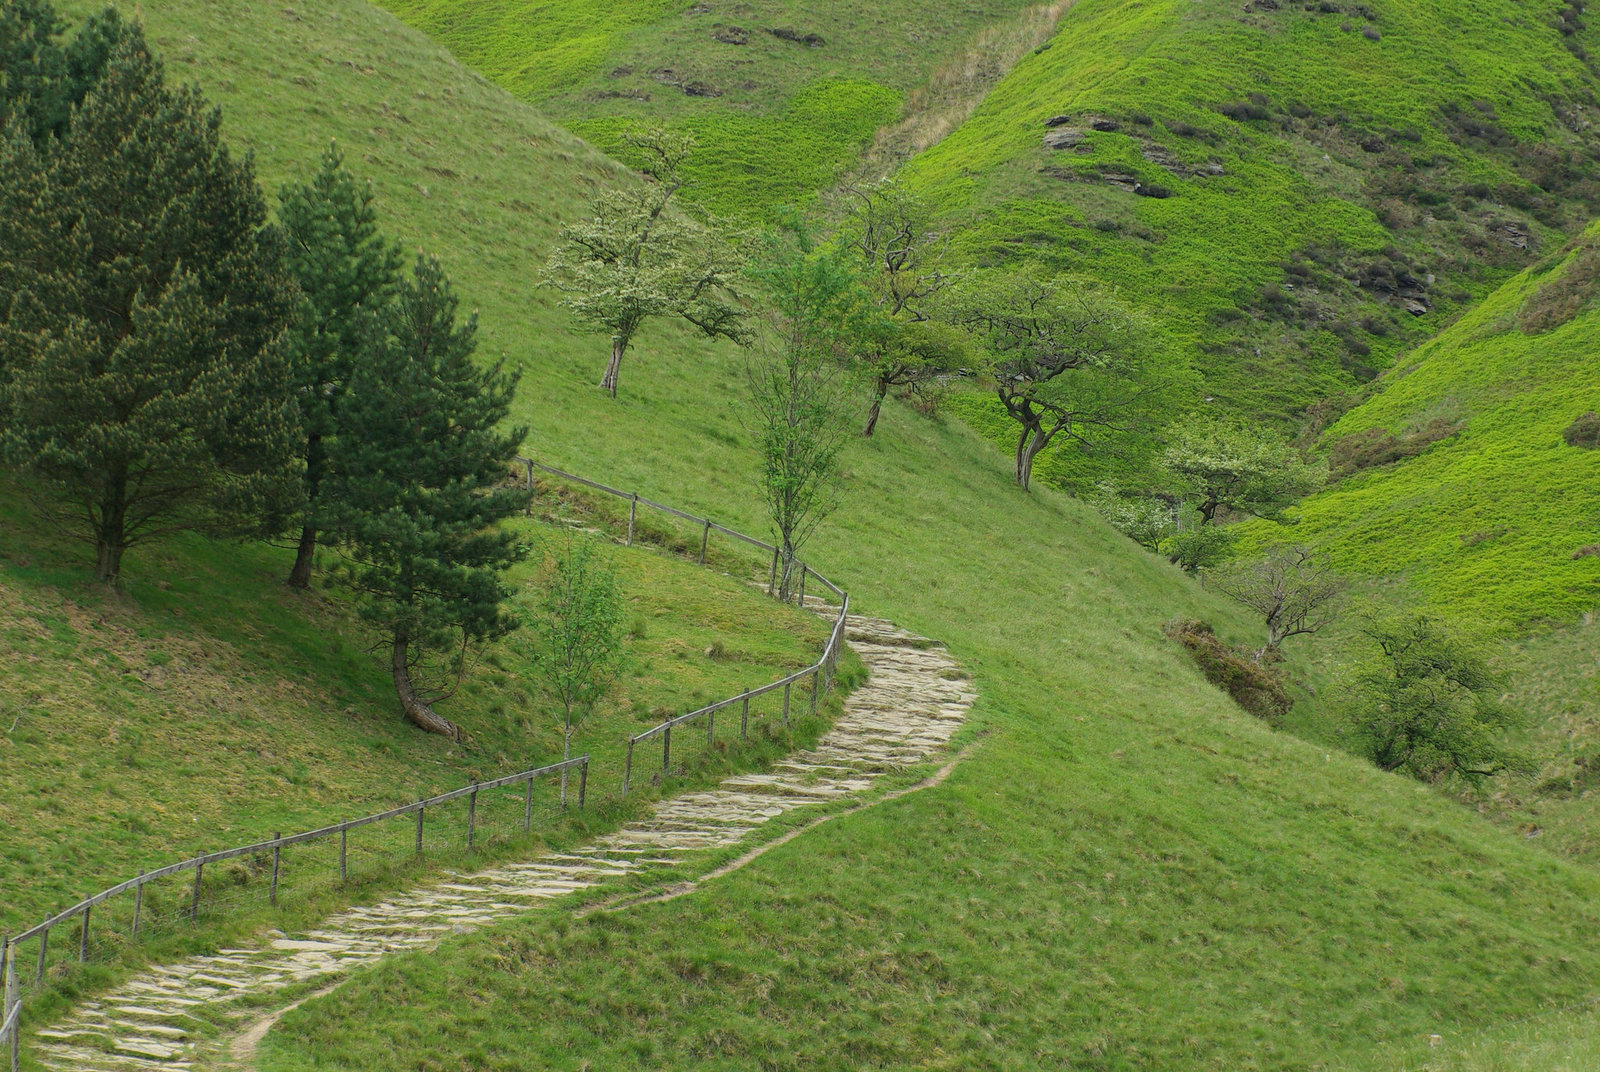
x: 1324, y: 185
x: 1129, y: 872
x: 1496, y: 520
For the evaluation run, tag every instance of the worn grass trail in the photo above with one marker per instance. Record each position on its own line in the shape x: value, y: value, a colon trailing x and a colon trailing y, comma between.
x: 913, y: 702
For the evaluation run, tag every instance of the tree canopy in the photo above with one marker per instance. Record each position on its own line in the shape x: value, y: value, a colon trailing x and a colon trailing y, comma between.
x: 421, y: 489
x: 638, y: 256
x: 1245, y: 470
x: 146, y: 386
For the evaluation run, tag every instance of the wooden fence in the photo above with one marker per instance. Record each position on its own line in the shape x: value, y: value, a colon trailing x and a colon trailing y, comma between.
x: 821, y: 676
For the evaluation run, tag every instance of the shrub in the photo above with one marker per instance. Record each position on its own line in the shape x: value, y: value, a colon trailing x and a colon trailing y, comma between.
x: 1376, y: 446
x: 1584, y: 432
x: 1199, y: 548
x: 1253, y: 687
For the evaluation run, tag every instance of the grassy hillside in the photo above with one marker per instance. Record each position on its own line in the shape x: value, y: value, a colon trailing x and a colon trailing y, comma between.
x: 1129, y: 873
x: 1490, y: 521
x: 1323, y: 186
x: 781, y: 96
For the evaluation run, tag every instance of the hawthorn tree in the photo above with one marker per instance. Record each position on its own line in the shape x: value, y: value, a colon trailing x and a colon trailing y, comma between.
x: 901, y: 253
x: 1428, y: 703
x: 1223, y: 466
x: 146, y: 386
x: 638, y: 256
x: 421, y: 490
x: 800, y: 394
x: 1294, y: 589
x: 1068, y: 360
x: 347, y: 272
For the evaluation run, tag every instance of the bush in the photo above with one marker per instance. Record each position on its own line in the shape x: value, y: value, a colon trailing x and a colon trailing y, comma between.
x: 1584, y: 432
x: 1199, y: 548
x: 1253, y: 687
x: 1376, y: 446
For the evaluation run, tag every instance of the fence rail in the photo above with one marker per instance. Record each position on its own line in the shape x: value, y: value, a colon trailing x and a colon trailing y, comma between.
x: 187, y: 903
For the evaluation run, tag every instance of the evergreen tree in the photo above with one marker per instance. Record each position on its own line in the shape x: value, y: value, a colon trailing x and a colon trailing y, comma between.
x: 347, y: 273
x: 41, y: 80
x: 146, y: 388
x: 418, y: 485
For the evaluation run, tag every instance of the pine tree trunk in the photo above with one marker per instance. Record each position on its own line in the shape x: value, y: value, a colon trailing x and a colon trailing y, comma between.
x: 877, y: 406
x: 300, y: 575
x: 415, y: 709
x: 111, y: 534
x: 614, y: 367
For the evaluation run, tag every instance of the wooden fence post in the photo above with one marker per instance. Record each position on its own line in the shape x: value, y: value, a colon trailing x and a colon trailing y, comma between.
x: 711, y: 728
x: 786, y: 685
x: 527, y: 806
x: 633, y: 510
x: 772, y: 582
x: 804, y: 569
x: 420, y: 809
x: 194, y: 906
x: 11, y: 1000
x: 627, y: 769
x: 583, y: 782
x: 472, y: 814
x: 744, y: 716
x: 705, y: 537
x: 44, y: 947
x: 816, y: 682
x: 138, y: 903
x: 83, y: 937
x: 277, y: 862
x: 666, y: 750
x: 344, y: 847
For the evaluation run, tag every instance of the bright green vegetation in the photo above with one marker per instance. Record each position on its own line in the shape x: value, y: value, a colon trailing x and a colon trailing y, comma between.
x: 1129, y: 872
x: 1484, y: 523
x: 210, y: 706
x: 777, y: 118
x: 1303, y: 180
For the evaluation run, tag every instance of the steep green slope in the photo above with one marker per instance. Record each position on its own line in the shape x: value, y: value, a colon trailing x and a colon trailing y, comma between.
x: 1129, y: 872
x: 781, y: 96
x: 1313, y: 175
x: 1498, y: 520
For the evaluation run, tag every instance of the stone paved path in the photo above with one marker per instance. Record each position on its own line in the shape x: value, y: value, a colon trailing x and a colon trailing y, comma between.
x: 912, y: 703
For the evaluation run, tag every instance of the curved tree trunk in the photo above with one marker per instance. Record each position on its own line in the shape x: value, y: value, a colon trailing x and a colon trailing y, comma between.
x: 1029, y: 444
x: 415, y: 708
x: 614, y: 366
x: 877, y: 406
x: 300, y: 575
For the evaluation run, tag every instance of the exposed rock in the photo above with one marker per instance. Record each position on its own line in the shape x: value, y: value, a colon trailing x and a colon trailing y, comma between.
x: 1064, y: 138
x: 1107, y: 126
x: 1058, y: 121
x: 701, y: 89
x: 1372, y: 144
x: 1414, y: 306
x: 1512, y: 234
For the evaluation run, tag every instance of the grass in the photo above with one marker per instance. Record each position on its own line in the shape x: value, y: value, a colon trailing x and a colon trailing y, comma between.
x: 1128, y: 873
x: 1296, y: 164
x: 776, y: 118
x: 1483, y: 524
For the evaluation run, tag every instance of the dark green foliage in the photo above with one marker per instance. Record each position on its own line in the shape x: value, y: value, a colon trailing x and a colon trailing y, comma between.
x: 419, y: 478
x: 1429, y: 703
x: 41, y: 80
x: 347, y: 272
x: 147, y: 390
x: 1253, y: 686
x: 1584, y: 432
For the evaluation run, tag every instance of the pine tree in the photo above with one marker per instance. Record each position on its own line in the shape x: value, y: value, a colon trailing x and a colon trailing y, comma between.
x: 41, y: 80
x: 347, y: 272
x: 420, y: 490
x: 146, y: 388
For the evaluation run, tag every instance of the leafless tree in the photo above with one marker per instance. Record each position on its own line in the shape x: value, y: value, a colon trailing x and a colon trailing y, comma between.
x: 1293, y: 588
